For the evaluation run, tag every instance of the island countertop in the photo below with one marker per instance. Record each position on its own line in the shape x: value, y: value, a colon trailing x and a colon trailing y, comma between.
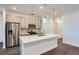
x: 33, y: 38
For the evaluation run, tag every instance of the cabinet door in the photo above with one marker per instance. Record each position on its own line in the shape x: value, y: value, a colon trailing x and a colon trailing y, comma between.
x: 22, y: 21
x: 26, y: 21
x: 37, y: 22
x: 9, y: 17
x: 12, y: 17
x: 29, y: 20
x: 34, y: 20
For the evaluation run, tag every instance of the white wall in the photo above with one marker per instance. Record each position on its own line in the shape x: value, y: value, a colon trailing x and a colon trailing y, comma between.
x: 70, y: 28
x: 2, y: 26
x: 1, y: 31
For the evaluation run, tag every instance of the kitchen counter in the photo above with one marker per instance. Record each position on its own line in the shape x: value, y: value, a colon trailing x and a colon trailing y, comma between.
x: 32, y: 38
x: 36, y: 45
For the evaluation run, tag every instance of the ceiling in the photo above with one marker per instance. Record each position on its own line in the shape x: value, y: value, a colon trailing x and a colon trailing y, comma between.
x: 27, y: 8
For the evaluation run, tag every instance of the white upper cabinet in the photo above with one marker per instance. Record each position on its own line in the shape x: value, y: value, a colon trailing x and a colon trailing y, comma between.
x: 34, y: 20
x: 24, y: 20
x: 12, y: 17
x: 29, y: 20
x: 37, y: 22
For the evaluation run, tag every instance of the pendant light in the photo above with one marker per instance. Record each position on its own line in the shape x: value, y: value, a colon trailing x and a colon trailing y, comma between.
x: 32, y: 13
x: 54, y: 14
x: 45, y: 14
x: 41, y: 7
x: 45, y: 11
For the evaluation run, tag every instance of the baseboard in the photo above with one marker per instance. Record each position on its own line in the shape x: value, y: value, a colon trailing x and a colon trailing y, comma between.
x: 71, y: 44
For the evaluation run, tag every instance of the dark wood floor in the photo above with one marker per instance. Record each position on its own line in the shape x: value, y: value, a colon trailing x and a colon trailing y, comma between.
x: 64, y: 49
x: 9, y: 51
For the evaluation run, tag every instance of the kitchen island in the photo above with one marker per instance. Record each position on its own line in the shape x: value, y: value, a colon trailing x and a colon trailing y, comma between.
x: 36, y: 45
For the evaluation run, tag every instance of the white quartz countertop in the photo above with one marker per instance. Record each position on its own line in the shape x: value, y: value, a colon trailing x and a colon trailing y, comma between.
x: 33, y: 38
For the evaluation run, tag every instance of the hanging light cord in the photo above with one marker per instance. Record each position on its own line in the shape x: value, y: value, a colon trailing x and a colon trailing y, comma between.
x: 32, y: 10
x: 54, y: 14
x: 45, y: 10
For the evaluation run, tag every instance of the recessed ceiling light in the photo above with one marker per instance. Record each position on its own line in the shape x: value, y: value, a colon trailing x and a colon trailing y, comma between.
x: 41, y: 7
x: 14, y: 8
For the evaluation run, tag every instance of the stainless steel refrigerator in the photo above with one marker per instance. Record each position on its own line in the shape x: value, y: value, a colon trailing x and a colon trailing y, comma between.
x: 12, y: 34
